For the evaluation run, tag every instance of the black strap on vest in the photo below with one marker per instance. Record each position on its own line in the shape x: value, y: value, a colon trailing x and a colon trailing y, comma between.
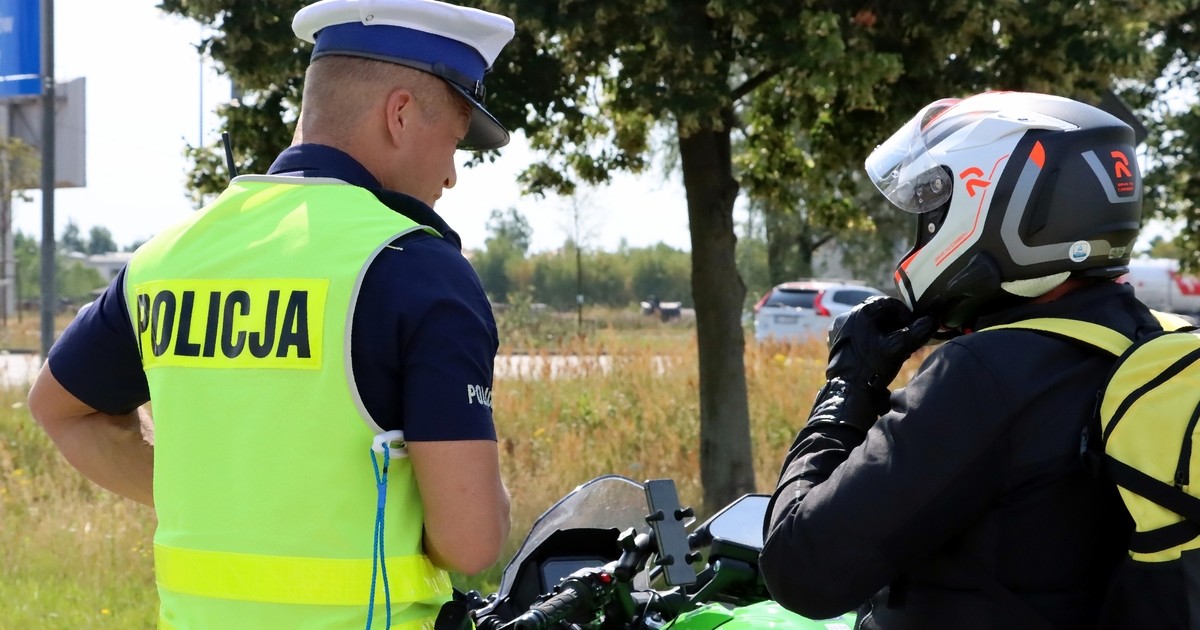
x: 1163, y: 494
x: 1174, y: 369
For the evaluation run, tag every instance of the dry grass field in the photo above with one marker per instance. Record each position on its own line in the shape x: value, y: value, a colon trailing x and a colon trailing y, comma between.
x: 77, y: 557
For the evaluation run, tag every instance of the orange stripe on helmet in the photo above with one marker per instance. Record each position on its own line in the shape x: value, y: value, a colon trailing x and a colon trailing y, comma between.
x: 962, y: 238
x: 1038, y: 154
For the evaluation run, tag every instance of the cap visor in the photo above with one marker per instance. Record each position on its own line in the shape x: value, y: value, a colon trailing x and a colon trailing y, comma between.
x: 485, y: 133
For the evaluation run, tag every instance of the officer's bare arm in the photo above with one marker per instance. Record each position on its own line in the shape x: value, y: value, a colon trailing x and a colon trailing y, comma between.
x: 115, y: 452
x: 466, y: 504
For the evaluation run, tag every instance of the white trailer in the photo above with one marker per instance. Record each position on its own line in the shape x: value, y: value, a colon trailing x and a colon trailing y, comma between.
x: 1158, y: 283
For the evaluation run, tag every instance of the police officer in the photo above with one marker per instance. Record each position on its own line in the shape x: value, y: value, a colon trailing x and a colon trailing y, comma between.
x: 970, y: 503
x: 317, y: 350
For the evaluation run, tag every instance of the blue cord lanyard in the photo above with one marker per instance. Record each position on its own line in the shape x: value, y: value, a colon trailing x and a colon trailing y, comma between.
x: 378, y: 564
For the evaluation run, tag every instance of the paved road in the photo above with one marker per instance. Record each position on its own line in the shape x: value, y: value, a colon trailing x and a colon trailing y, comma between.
x: 18, y: 370
x: 564, y: 366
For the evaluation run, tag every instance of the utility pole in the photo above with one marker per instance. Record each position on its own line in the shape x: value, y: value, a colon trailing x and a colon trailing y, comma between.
x: 575, y: 211
x: 6, y: 237
x: 49, y: 299
x: 200, y: 102
x: 578, y: 284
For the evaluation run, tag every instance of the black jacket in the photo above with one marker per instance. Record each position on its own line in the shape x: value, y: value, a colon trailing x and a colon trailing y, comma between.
x: 969, y: 504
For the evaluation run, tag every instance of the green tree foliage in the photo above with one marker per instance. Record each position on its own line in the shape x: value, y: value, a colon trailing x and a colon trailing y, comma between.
x: 252, y: 43
x: 100, y: 241
x: 510, y: 230
x: 617, y: 279
x: 74, y: 282
x: 804, y: 88
x: 1160, y: 247
x: 553, y: 280
x: 808, y: 179
x: 20, y: 169
x: 507, y: 243
x: 661, y: 271
x: 29, y: 264
x: 1170, y: 105
x: 752, y: 260
x: 24, y: 166
x: 72, y: 239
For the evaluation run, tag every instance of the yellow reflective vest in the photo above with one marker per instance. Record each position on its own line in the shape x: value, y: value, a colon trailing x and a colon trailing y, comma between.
x: 263, y: 479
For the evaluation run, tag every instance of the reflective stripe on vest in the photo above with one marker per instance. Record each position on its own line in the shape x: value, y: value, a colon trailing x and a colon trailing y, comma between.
x: 422, y: 624
x: 282, y: 580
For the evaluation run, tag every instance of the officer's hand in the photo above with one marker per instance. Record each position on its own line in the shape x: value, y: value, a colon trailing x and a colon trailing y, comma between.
x: 868, y: 344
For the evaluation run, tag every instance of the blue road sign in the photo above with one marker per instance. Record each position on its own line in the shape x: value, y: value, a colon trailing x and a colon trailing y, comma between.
x: 20, y: 48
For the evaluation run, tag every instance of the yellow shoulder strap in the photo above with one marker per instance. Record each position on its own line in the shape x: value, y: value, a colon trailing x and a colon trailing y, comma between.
x: 1170, y: 321
x: 1087, y: 332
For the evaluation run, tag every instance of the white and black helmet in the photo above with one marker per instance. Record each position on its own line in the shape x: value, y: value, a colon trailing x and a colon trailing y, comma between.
x: 1014, y: 192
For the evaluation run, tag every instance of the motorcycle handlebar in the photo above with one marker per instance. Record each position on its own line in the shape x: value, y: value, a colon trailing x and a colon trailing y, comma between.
x: 571, y: 596
x: 586, y: 589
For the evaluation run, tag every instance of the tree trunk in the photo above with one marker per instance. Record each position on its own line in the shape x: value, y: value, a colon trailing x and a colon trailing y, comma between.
x: 726, y: 466
x: 803, y: 255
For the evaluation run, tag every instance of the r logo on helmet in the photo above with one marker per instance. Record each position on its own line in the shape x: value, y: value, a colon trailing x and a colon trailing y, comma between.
x: 1121, y: 172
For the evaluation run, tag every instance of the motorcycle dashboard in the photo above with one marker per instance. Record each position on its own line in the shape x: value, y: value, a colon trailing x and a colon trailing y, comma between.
x: 554, y: 570
x: 558, y: 556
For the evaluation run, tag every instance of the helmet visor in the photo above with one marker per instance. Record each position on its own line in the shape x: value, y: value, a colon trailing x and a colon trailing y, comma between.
x: 904, y: 171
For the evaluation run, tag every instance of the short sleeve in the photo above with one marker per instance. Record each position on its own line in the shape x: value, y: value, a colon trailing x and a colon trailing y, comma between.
x: 96, y: 358
x: 423, y: 343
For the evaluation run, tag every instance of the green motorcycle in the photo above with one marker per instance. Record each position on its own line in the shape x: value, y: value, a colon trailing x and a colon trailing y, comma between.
x: 615, y: 553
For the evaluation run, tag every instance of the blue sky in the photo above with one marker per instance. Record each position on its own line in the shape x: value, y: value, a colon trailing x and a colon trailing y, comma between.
x: 144, y: 104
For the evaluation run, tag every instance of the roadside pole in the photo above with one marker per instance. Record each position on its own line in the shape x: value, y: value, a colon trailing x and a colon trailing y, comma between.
x: 6, y: 236
x: 49, y: 298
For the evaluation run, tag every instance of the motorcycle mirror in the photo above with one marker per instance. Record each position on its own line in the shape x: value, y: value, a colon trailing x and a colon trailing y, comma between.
x: 737, y: 530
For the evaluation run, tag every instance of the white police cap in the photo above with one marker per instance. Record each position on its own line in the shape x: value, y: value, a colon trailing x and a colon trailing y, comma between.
x: 458, y: 44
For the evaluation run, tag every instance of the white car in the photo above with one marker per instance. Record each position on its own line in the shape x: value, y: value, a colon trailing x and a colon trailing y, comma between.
x: 802, y: 310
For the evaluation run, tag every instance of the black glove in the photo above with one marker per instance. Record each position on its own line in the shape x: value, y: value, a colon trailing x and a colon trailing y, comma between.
x: 854, y: 405
x: 868, y: 344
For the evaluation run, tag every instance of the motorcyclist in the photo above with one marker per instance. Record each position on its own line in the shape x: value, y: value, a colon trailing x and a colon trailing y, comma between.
x: 971, y: 503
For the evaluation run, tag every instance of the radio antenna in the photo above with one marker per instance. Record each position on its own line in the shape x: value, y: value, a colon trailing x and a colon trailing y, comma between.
x: 229, y: 154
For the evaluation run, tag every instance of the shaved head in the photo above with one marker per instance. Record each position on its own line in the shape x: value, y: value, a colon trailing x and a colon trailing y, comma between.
x: 340, y: 90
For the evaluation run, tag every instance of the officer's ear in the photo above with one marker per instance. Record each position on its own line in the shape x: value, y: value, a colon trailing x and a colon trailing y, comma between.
x: 400, y: 111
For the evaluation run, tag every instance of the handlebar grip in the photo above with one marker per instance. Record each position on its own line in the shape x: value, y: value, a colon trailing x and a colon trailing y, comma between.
x: 541, y: 616
x: 489, y: 622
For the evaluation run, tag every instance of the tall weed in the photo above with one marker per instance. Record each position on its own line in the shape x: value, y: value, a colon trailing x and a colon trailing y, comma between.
x: 74, y: 556
x: 621, y: 401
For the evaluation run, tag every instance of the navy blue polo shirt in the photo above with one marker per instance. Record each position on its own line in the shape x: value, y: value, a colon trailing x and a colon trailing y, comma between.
x: 423, y: 338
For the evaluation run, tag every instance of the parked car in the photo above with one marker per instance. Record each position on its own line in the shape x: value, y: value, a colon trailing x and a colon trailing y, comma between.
x: 801, y: 310
x: 665, y: 310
